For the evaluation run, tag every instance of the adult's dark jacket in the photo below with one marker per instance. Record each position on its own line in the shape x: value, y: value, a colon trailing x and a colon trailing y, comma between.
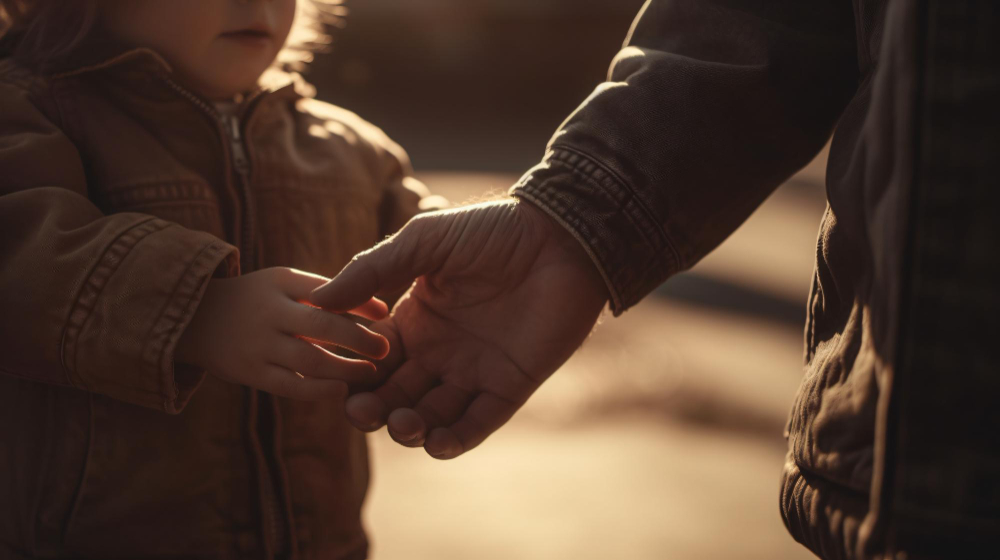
x: 893, y: 438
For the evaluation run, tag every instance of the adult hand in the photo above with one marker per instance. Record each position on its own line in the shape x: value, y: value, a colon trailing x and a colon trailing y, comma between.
x: 503, y: 296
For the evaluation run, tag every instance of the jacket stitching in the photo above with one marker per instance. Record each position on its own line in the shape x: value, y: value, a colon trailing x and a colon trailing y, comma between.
x: 651, y: 222
x: 578, y: 228
x: 78, y: 496
x: 100, y: 273
x: 160, y: 344
x: 571, y: 163
x: 194, y: 190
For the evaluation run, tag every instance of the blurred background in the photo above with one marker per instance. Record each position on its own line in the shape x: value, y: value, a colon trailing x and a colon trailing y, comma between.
x: 662, y: 438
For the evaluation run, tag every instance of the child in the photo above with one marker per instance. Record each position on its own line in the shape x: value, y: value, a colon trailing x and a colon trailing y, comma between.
x: 156, y: 196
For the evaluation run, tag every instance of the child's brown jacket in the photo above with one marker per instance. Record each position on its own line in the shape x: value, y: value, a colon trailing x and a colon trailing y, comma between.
x: 121, y: 195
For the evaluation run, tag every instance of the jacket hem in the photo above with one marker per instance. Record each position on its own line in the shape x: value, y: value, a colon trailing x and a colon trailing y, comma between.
x: 179, y: 384
x: 823, y: 516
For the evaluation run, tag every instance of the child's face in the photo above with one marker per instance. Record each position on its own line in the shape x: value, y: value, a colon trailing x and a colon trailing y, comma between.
x: 218, y: 48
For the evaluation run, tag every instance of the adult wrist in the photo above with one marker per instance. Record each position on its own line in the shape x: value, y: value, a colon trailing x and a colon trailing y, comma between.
x: 570, y: 244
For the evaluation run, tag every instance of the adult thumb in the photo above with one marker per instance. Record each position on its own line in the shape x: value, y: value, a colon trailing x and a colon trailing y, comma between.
x: 390, y: 266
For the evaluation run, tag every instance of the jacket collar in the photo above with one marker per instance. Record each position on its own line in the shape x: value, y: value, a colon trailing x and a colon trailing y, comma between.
x: 141, y: 59
x: 143, y: 62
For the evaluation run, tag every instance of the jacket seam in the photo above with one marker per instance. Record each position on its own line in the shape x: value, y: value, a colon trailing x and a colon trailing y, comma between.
x: 188, y: 190
x: 584, y: 170
x: 182, y: 310
x: 85, y: 472
x: 157, y: 366
x: 638, y: 227
x: 7, y: 371
x: 75, y: 325
x: 612, y: 176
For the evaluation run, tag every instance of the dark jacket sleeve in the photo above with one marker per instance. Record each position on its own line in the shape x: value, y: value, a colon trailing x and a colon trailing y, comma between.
x: 89, y: 300
x: 709, y: 107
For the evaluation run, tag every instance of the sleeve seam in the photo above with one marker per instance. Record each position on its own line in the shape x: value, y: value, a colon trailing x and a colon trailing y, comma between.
x: 168, y: 385
x: 610, y: 175
x: 92, y: 288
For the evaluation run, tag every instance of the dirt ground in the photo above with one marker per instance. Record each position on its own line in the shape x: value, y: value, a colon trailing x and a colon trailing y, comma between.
x: 660, y: 439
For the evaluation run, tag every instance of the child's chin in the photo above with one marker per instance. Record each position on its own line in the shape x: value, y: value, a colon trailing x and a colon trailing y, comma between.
x: 227, y: 90
x: 237, y: 78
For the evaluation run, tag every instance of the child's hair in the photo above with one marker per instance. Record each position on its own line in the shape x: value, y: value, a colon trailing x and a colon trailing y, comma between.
x: 40, y: 33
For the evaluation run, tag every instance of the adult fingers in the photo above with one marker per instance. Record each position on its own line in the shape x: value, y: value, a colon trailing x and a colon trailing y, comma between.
x: 389, y: 363
x: 330, y: 328
x: 413, y: 427
x: 485, y: 415
x: 366, y: 412
x: 373, y: 309
x: 314, y: 362
x: 441, y: 406
x: 403, y: 389
x: 389, y: 266
x: 299, y: 285
x: 284, y: 382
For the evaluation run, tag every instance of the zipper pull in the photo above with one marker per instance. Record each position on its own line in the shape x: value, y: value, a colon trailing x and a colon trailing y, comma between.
x: 234, y: 128
x: 240, y: 161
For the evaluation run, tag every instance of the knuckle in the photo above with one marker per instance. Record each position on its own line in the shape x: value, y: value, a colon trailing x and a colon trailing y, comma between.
x: 273, y: 273
x: 281, y: 275
x: 272, y: 309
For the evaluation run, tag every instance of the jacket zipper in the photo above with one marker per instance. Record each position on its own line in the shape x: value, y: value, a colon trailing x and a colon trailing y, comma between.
x: 242, y: 166
x: 230, y: 127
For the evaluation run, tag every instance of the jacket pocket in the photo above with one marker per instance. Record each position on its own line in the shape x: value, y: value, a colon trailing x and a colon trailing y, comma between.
x: 191, y: 204
x: 162, y: 482
x: 43, y: 454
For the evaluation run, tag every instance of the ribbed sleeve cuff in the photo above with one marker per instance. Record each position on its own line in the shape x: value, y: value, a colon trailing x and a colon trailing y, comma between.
x: 135, y: 305
x: 615, y: 228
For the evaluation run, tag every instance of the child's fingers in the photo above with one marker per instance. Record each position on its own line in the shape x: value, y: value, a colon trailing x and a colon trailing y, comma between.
x: 485, y: 415
x: 330, y: 328
x: 287, y: 383
x: 314, y: 362
x: 373, y: 309
x: 298, y: 284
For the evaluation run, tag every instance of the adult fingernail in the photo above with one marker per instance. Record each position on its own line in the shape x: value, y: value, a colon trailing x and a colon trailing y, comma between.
x: 405, y: 437
x: 443, y: 454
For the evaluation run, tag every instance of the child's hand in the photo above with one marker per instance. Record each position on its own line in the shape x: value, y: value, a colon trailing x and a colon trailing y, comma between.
x: 254, y: 330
